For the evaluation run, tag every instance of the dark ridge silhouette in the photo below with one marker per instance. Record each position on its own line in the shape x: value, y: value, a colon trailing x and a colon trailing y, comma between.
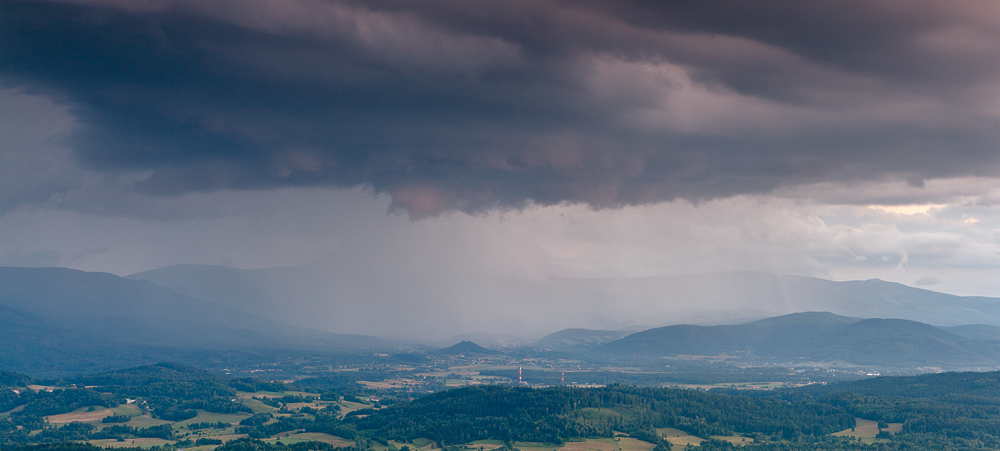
x: 464, y: 347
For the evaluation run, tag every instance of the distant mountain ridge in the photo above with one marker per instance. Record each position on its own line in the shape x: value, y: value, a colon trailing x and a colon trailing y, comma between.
x: 57, y: 315
x: 102, y: 302
x: 976, y: 331
x: 573, y: 338
x: 818, y: 336
x: 464, y: 348
x: 52, y: 316
x: 287, y: 294
x: 773, y: 295
x: 487, y: 339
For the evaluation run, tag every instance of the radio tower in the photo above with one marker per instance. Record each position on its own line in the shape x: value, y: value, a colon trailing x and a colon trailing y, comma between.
x: 563, y: 380
x: 519, y: 380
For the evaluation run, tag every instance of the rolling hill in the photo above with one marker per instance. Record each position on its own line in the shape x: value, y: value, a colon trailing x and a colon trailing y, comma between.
x: 879, y: 341
x: 820, y: 337
x: 466, y: 348
x: 768, y: 295
x: 976, y: 331
x: 572, y: 338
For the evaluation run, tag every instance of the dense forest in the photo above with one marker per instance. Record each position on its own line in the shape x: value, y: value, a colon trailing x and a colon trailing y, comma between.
x: 555, y: 414
x: 958, y: 411
x: 957, y: 407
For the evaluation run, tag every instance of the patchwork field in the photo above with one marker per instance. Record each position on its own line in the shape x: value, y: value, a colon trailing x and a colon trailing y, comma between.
x: 318, y: 437
x: 632, y: 444
x: 314, y: 436
x: 390, y: 383
x: 483, y: 444
x: 127, y: 409
x: 82, y: 415
x: 145, y: 421
x: 7, y: 413
x: 734, y: 439
x: 348, y: 407
x: 130, y: 410
x: 868, y: 429
x: 312, y: 405
x: 256, y: 405
x: 422, y: 444
x: 223, y: 426
x: 601, y: 444
x: 136, y: 442
x: 274, y: 394
x: 678, y: 437
x: 427, y: 443
x: 209, y: 417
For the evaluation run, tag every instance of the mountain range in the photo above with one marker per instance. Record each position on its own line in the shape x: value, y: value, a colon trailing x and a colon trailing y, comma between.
x: 568, y: 339
x: 339, y: 299
x: 819, y: 337
x: 52, y: 319
x: 58, y: 316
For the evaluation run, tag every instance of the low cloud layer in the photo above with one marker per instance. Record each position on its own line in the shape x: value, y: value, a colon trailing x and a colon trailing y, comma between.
x: 469, y: 106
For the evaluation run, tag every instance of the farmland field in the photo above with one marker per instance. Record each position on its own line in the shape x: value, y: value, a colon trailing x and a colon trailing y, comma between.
x: 868, y: 430
x: 132, y: 442
x: 734, y: 439
x: 317, y: 437
x: 81, y: 415
x: 631, y: 444
x: 208, y: 417
x: 603, y: 444
x: 256, y: 405
x: 144, y: 421
x: 678, y: 437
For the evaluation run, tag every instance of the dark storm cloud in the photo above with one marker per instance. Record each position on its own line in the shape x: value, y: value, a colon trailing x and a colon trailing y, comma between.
x: 462, y: 105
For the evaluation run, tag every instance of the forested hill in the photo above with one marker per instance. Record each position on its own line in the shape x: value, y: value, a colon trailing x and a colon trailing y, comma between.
x: 958, y: 411
x: 464, y: 347
x: 554, y: 414
x: 184, y: 406
x: 818, y: 336
x: 954, y: 410
x: 12, y: 379
x: 939, y: 385
x: 169, y: 375
x: 568, y: 339
x: 149, y: 374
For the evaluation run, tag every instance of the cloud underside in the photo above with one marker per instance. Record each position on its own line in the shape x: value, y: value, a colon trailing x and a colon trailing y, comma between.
x: 473, y: 106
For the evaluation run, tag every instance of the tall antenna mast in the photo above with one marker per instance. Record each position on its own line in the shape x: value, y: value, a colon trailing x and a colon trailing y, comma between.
x: 519, y: 379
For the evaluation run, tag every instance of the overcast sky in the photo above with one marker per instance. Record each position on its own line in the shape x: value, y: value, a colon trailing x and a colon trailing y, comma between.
x: 844, y: 140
